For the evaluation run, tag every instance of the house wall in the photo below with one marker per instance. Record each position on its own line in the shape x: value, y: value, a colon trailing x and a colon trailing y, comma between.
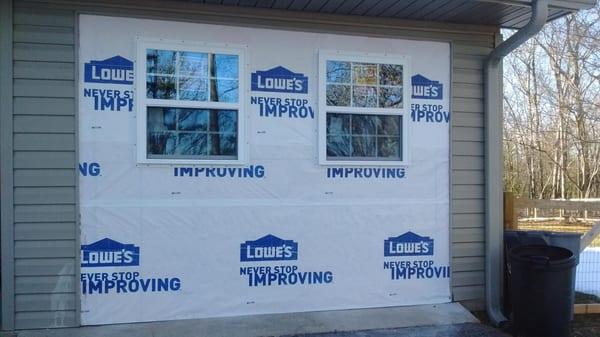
x: 44, y: 156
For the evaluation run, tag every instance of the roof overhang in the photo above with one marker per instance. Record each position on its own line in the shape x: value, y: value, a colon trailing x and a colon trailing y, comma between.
x: 503, y: 13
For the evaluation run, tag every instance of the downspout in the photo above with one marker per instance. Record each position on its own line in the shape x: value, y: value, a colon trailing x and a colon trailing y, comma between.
x: 493, y: 164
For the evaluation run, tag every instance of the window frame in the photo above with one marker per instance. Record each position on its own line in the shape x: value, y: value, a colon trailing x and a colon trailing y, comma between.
x: 142, y: 102
x: 324, y: 109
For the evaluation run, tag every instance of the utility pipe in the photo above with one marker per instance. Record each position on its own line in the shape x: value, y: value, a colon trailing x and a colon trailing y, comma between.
x: 494, y: 241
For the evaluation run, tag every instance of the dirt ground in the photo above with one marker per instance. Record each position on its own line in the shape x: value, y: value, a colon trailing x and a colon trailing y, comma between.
x: 586, y: 326
x: 582, y: 325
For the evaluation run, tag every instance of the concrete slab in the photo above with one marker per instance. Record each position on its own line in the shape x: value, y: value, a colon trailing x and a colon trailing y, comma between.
x: 277, y: 324
x: 455, y: 330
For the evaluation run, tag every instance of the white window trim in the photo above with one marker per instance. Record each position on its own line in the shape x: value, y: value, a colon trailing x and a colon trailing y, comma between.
x: 333, y: 55
x: 142, y: 102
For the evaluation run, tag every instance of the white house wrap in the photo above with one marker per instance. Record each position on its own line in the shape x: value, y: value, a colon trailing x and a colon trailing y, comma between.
x: 278, y: 224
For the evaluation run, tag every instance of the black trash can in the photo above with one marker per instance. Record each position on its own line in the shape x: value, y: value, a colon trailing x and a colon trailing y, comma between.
x: 514, y: 239
x: 542, y: 293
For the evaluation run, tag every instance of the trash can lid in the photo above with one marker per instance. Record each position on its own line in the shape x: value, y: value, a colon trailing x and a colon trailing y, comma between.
x: 543, y: 256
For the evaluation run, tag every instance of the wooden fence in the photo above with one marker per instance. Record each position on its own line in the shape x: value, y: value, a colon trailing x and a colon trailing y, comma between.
x: 512, y: 206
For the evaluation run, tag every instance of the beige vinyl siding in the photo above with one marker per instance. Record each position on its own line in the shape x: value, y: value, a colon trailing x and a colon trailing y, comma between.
x: 45, y: 173
x: 44, y: 162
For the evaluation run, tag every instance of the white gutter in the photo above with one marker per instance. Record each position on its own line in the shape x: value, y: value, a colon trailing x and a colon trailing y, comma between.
x: 494, y: 250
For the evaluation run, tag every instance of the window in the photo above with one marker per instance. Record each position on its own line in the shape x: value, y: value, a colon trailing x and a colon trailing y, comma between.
x: 363, y: 101
x: 190, y: 108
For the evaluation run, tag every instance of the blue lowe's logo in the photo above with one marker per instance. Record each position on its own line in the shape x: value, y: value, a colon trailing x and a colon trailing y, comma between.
x: 424, y: 88
x: 279, y: 79
x: 109, y: 253
x: 408, y: 244
x: 116, y: 70
x: 269, y: 248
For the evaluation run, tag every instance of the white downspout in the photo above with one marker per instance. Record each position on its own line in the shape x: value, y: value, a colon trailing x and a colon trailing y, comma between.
x: 493, y: 161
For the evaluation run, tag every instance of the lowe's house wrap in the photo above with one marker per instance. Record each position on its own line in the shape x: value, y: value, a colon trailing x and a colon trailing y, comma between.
x: 231, y: 171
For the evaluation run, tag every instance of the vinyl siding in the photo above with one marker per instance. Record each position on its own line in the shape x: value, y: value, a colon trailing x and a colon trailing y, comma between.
x: 45, y: 173
x: 44, y: 168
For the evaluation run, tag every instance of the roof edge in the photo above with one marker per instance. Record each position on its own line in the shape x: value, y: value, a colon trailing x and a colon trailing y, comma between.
x: 225, y: 13
x: 571, y: 5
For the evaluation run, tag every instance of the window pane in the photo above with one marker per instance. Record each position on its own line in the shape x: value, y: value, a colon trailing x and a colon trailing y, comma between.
x: 161, y: 143
x: 389, y: 125
x: 338, y: 124
x: 223, y: 121
x: 364, y: 96
x: 364, y: 136
x: 390, y: 74
x: 364, y: 124
x: 338, y: 72
x: 364, y: 73
x: 184, y: 133
x: 388, y: 147
x: 191, y: 119
x: 161, y: 119
x: 224, y: 66
x: 192, y: 144
x: 390, y: 97
x: 160, y: 61
x: 193, y: 89
x: 363, y: 146
x: 223, y: 144
x: 161, y: 87
x: 338, y: 95
x: 224, y: 91
x: 193, y: 64
x: 339, y: 146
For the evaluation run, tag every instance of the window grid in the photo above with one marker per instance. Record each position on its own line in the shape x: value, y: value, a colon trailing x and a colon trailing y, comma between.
x: 178, y: 130
x: 376, y: 136
x: 377, y: 84
x: 197, y: 87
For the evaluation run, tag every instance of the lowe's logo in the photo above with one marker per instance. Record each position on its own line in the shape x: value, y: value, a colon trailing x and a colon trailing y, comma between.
x: 424, y: 88
x: 408, y: 244
x: 279, y: 79
x: 109, y: 253
x: 116, y: 70
x: 269, y: 248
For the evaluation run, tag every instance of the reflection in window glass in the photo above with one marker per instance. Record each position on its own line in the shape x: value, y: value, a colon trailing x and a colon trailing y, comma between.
x: 364, y: 73
x: 192, y: 76
x: 193, y: 64
x: 363, y: 96
x: 338, y: 95
x: 390, y: 74
x: 193, y: 89
x: 224, y: 66
x: 364, y: 136
x: 364, y: 85
x: 161, y: 87
x: 390, y: 97
x: 160, y: 62
x: 338, y: 72
x: 224, y: 90
x: 183, y: 133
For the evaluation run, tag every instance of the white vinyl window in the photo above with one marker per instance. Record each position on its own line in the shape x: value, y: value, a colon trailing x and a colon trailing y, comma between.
x: 189, y: 103
x: 363, y: 109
